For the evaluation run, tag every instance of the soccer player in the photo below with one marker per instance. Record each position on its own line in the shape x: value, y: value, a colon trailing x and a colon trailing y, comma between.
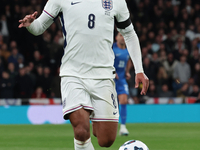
x: 122, y: 73
x: 87, y: 69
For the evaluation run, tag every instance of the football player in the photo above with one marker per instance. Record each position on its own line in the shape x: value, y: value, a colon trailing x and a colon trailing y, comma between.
x: 87, y: 71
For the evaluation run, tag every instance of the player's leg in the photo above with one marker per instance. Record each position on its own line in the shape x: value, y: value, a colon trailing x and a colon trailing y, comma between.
x: 105, y: 116
x: 105, y: 132
x: 81, y: 126
x: 75, y: 101
x: 123, y: 113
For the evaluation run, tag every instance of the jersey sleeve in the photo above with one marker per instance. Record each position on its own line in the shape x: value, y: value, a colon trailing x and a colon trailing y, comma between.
x: 52, y: 8
x: 50, y: 12
x: 122, y: 11
x: 133, y: 46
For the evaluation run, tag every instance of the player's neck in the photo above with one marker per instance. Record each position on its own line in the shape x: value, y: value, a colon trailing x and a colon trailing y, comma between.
x: 121, y: 46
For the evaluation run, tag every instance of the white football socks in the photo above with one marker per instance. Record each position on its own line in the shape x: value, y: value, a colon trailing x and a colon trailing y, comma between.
x: 83, y: 145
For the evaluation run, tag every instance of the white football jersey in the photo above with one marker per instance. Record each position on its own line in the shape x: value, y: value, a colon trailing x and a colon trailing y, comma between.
x: 88, y: 27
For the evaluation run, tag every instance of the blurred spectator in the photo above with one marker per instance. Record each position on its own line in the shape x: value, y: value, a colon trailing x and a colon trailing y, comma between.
x: 178, y: 48
x: 190, y: 85
x: 37, y: 58
x: 4, y: 28
x: 183, y: 91
x: 155, y: 61
x: 193, y: 60
x: 1, y: 39
x: 182, y: 71
x: 190, y: 32
x: 174, y: 35
x: 11, y: 71
x: 198, y: 99
x: 151, y: 36
x: 152, y: 91
x: 196, y: 74
x: 169, y: 65
x: 197, y: 35
x: 162, y: 34
x: 176, y: 14
x: 170, y: 101
x: 145, y: 53
x: 13, y: 44
x: 15, y: 55
x: 29, y: 72
x: 55, y: 86
x: 1, y: 66
x: 162, y: 56
x: 162, y: 77
x: 39, y: 77
x: 169, y: 43
x: 6, y: 86
x: 195, y: 91
x: 149, y: 69
x: 47, y: 81
x: 156, y: 44
x: 185, y: 39
x: 4, y: 51
x: 38, y: 93
x: 165, y: 91
x: 23, y: 85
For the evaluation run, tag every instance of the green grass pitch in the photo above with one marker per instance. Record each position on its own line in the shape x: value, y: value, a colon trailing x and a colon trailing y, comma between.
x: 166, y: 136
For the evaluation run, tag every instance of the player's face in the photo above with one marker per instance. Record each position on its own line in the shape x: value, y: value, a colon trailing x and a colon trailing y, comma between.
x: 120, y: 38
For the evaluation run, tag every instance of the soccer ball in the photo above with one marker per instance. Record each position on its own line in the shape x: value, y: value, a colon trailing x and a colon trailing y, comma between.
x: 133, y: 145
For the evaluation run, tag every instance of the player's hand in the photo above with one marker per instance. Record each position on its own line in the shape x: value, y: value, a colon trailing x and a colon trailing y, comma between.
x: 128, y: 75
x: 141, y: 77
x: 28, y: 19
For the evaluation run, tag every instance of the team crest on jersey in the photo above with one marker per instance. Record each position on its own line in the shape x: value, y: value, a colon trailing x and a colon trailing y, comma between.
x: 107, y: 4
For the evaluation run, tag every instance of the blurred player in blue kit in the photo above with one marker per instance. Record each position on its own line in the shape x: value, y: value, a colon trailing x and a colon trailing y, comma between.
x: 87, y: 70
x: 122, y: 65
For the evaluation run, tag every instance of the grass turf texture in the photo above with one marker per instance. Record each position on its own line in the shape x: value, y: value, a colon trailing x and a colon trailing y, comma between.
x: 169, y: 136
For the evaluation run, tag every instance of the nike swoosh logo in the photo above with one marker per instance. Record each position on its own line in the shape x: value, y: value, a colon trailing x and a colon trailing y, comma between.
x: 72, y: 3
x: 114, y: 113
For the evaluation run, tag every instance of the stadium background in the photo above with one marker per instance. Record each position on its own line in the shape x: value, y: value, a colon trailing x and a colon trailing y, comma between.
x: 169, y: 34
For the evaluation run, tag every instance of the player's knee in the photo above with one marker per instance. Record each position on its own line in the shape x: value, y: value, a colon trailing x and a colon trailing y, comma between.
x: 123, y: 102
x: 82, y: 134
x: 106, y: 142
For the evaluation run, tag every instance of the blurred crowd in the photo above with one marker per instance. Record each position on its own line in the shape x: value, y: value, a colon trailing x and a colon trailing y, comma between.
x: 169, y: 34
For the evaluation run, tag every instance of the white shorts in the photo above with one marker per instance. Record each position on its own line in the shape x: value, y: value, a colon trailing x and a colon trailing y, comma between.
x: 98, y: 95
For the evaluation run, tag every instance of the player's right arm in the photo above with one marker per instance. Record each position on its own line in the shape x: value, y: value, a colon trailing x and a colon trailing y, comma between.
x: 39, y: 25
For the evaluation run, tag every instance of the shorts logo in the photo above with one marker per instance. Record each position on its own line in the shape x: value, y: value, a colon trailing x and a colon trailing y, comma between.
x: 114, y: 102
x: 114, y: 113
x: 64, y: 103
x: 107, y: 4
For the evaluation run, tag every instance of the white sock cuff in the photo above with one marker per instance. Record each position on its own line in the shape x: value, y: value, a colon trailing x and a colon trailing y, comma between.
x: 82, y: 142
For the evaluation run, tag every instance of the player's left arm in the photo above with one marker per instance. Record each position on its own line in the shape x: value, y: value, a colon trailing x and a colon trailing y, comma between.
x: 125, y: 27
x: 134, y: 50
